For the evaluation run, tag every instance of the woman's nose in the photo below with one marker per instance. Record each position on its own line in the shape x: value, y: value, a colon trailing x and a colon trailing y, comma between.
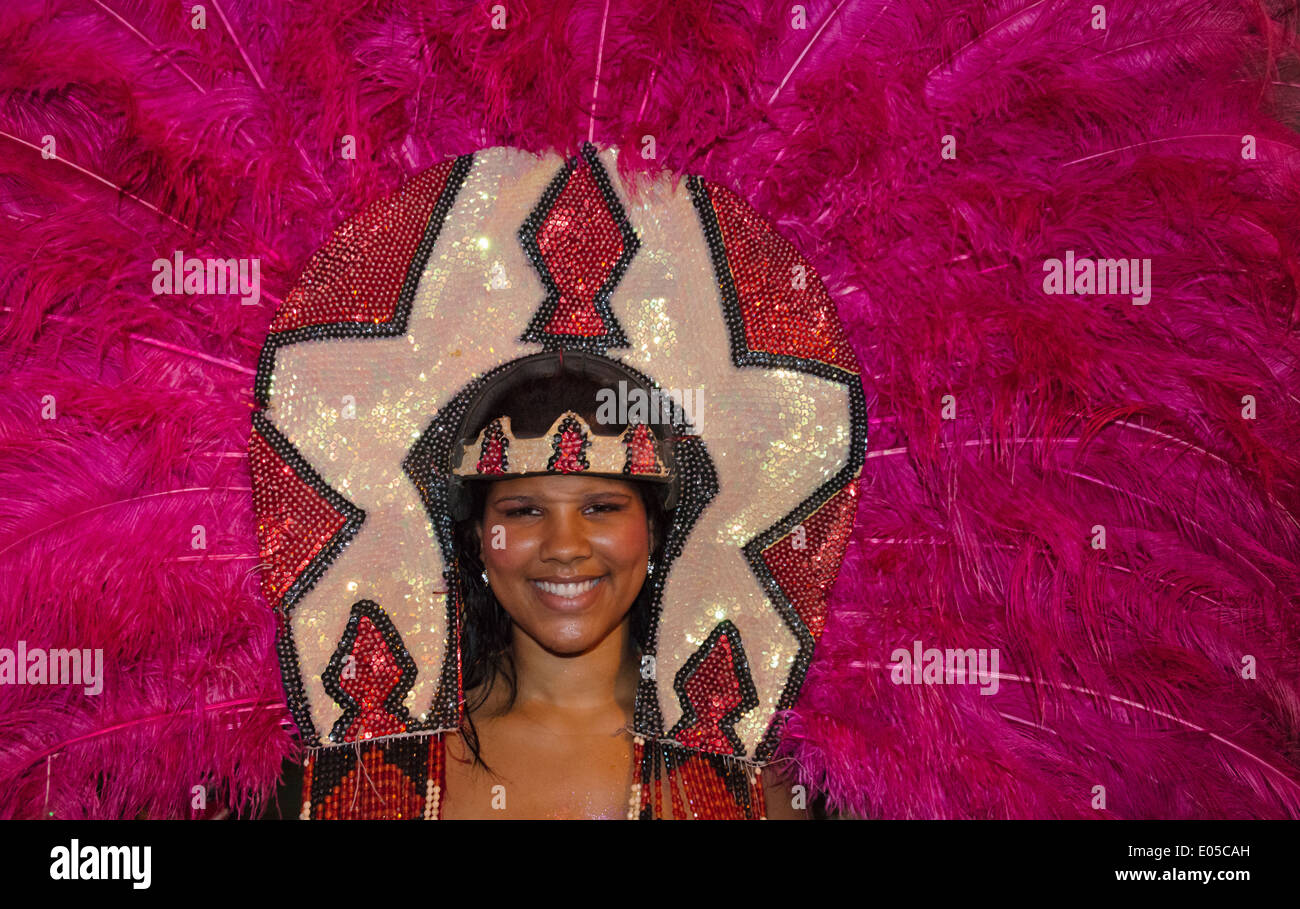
x: 565, y: 538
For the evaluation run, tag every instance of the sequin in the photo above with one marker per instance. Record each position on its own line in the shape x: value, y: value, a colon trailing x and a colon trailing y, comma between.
x: 569, y: 446
x: 369, y: 675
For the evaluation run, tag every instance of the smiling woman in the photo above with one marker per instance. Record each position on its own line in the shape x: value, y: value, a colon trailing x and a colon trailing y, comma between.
x: 550, y: 693
x: 558, y: 610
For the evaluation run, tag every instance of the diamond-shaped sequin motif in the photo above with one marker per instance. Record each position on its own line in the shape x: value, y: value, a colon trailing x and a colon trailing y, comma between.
x: 368, y: 676
x: 715, y: 690
x: 580, y: 241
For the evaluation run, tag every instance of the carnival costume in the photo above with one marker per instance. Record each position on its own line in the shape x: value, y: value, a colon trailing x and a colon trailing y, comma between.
x: 479, y: 267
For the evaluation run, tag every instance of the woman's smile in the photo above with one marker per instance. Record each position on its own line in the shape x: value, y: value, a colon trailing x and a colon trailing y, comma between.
x: 570, y: 596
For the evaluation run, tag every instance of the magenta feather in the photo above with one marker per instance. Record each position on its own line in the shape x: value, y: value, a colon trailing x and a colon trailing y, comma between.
x: 1122, y: 667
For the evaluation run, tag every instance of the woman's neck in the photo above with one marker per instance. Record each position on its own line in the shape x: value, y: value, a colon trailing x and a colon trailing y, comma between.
x: 598, y: 682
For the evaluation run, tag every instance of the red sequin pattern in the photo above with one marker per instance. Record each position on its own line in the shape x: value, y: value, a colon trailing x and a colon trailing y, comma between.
x: 357, y: 276
x: 805, y: 564
x: 713, y: 691
x: 569, y: 452
x: 641, y: 456
x: 374, y: 789
x: 294, y: 521
x: 782, y: 300
x: 707, y: 792
x: 580, y: 244
x: 493, y: 458
x: 376, y: 675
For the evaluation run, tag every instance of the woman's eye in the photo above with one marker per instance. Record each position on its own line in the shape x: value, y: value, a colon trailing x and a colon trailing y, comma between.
x: 602, y: 507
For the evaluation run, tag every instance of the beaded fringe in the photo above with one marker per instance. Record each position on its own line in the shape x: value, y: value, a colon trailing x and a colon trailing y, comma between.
x: 716, y: 787
x: 378, y: 781
x: 392, y: 779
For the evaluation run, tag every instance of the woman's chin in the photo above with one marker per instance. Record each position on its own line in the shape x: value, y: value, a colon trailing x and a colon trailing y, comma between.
x: 569, y: 639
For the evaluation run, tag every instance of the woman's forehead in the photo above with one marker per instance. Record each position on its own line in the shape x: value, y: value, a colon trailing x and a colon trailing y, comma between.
x: 558, y: 488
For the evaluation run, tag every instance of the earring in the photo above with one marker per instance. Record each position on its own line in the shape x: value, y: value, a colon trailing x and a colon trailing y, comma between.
x: 484, y: 576
x: 650, y: 567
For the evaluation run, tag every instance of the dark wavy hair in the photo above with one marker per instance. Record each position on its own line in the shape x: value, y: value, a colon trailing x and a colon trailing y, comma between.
x: 486, y: 653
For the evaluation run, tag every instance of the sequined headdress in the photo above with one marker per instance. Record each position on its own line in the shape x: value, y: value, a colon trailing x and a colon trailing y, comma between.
x: 642, y: 451
x: 568, y: 447
x: 427, y: 298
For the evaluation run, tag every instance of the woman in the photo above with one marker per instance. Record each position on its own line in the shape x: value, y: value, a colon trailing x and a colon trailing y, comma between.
x: 554, y: 639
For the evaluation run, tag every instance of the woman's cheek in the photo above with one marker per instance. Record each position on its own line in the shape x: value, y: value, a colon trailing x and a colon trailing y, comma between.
x: 626, y: 548
x: 511, y: 550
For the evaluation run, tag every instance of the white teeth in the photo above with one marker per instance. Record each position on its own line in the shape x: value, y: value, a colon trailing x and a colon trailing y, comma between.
x: 568, y: 590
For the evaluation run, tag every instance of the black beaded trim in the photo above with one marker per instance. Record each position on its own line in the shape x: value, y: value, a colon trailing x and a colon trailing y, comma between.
x: 332, y: 677
x: 740, y: 664
x: 569, y: 425
x: 290, y: 670
x: 402, y: 311
x: 295, y: 695
x: 741, y: 355
x: 699, y: 487
x: 536, y: 331
x: 737, y: 782
x: 353, y: 519
x: 428, y: 465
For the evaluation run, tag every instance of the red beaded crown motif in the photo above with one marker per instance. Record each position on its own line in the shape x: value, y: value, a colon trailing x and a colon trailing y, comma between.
x: 569, y: 446
x: 399, y: 323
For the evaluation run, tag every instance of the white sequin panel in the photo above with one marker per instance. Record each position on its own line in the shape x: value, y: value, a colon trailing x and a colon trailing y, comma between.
x: 477, y: 285
x: 775, y: 436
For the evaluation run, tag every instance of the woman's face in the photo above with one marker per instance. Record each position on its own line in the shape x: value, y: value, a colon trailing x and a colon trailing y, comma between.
x: 539, y: 535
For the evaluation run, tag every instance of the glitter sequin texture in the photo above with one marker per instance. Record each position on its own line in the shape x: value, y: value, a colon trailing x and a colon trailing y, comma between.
x: 362, y: 282
x: 717, y: 689
x: 481, y: 261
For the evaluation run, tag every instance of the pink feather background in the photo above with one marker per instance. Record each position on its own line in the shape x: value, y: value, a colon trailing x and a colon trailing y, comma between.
x: 1121, y: 668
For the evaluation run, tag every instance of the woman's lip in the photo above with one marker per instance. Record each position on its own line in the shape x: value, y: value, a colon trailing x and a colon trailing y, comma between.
x: 568, y: 604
